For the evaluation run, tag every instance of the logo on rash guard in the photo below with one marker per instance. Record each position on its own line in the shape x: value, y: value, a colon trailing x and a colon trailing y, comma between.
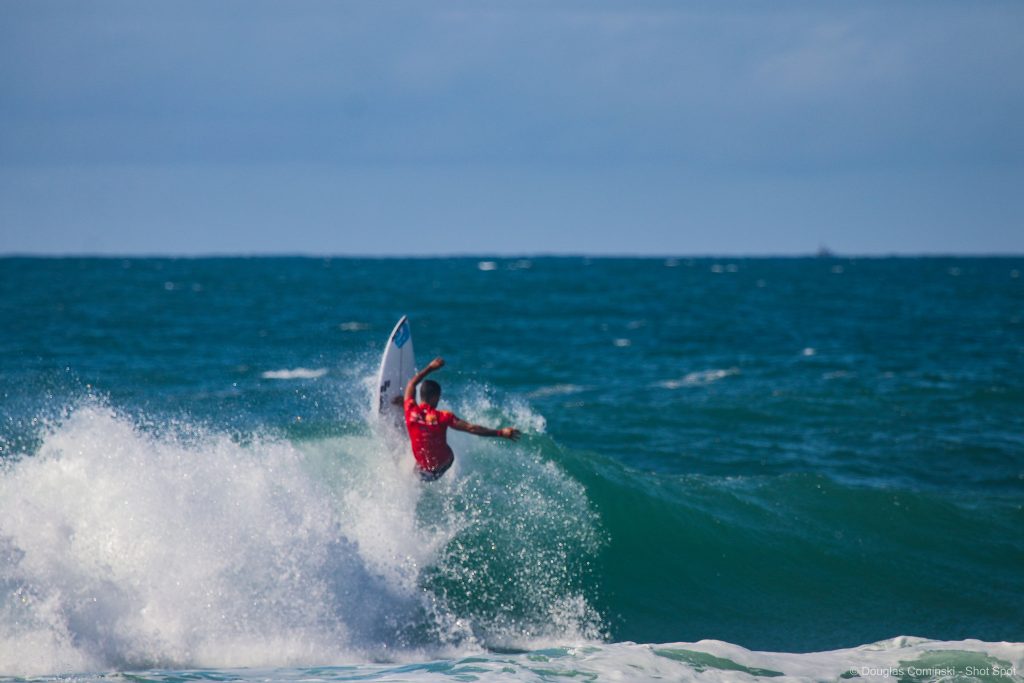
x: 427, y: 417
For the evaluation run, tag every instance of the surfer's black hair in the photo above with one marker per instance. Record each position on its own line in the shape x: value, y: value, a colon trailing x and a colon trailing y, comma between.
x: 430, y: 391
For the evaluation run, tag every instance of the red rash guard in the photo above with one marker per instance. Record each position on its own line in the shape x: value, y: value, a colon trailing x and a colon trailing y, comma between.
x: 428, y: 430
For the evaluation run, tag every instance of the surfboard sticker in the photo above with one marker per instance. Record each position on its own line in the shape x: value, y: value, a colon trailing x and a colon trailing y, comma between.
x: 397, y: 366
x: 402, y: 334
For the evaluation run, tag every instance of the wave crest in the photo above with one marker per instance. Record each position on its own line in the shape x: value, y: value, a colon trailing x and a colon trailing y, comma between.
x: 126, y: 548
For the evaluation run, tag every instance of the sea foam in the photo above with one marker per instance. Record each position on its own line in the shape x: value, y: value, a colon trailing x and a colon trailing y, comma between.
x: 296, y: 373
x: 699, y: 378
x: 128, y: 547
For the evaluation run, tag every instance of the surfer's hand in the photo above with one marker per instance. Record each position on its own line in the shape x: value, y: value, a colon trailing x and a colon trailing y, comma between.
x: 510, y: 433
x: 436, y: 364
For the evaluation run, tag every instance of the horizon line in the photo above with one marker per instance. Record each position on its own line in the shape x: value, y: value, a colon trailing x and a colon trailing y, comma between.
x: 504, y: 256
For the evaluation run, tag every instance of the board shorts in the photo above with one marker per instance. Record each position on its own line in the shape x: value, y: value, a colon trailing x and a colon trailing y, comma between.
x: 434, y: 475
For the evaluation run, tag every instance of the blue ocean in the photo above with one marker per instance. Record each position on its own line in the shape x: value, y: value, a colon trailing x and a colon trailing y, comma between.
x: 731, y: 469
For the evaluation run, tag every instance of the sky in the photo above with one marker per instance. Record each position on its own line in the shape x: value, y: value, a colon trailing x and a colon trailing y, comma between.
x: 476, y: 127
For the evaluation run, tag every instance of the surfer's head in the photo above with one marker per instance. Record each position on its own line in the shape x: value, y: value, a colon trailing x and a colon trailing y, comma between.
x: 430, y: 392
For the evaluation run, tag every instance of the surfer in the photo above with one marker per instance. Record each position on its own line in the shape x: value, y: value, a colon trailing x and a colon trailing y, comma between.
x: 428, y: 426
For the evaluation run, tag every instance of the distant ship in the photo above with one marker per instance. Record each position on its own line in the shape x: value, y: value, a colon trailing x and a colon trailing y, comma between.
x: 825, y: 252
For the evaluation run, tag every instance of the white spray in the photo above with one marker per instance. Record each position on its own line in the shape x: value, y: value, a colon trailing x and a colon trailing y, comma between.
x: 127, y: 548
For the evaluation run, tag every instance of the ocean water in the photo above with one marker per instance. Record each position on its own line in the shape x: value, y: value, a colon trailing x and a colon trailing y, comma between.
x: 730, y: 469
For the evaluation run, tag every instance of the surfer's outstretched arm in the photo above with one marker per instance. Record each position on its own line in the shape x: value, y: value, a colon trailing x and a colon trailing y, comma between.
x: 510, y: 433
x: 410, y: 388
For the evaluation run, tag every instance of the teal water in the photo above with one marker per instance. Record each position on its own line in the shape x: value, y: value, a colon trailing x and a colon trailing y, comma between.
x: 792, y: 455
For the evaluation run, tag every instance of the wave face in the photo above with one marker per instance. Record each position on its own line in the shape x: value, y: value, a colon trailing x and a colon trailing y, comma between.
x: 723, y: 457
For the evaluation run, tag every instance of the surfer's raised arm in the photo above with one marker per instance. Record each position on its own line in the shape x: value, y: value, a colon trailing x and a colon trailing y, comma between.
x: 505, y: 432
x: 410, y: 388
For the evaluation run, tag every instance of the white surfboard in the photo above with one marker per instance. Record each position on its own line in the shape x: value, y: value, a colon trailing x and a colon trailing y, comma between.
x: 397, y: 366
